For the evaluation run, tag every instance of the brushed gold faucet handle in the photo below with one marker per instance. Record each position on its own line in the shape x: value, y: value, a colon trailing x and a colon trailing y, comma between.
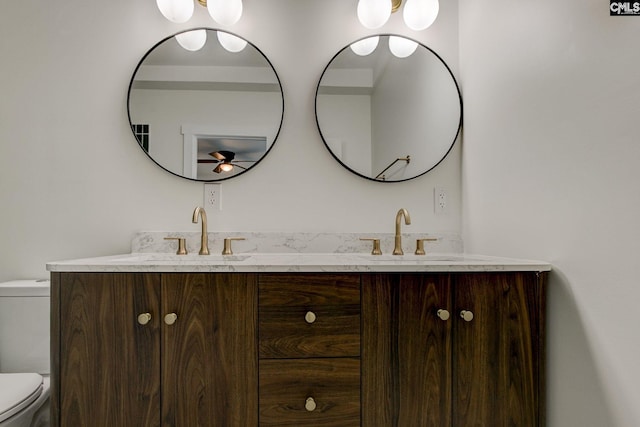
x: 376, y: 245
x: 227, y: 245
x: 182, y: 245
x: 420, y: 245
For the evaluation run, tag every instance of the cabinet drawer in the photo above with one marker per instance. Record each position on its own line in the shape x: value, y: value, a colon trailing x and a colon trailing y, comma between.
x: 333, y: 384
x: 302, y: 290
x: 285, y: 333
x: 309, y: 315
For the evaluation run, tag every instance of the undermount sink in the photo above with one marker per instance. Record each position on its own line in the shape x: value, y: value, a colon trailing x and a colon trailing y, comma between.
x: 414, y: 258
x: 191, y: 258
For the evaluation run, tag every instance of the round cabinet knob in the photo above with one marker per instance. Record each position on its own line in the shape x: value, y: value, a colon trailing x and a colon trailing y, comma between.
x: 310, y: 404
x: 310, y: 317
x: 466, y: 315
x: 443, y: 314
x: 170, y: 318
x: 144, y: 318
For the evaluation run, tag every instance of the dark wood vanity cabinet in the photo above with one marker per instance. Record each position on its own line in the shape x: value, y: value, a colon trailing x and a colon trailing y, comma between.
x: 453, y: 349
x: 309, y: 345
x: 317, y: 349
x: 118, y: 361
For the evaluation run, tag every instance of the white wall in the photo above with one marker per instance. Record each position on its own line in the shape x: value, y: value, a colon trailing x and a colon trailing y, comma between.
x: 431, y: 114
x: 345, y: 121
x: 551, y: 154
x: 74, y: 183
x: 166, y: 112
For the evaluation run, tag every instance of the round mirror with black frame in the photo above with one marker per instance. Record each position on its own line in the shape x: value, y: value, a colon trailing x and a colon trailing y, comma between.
x: 388, y: 108
x: 205, y: 104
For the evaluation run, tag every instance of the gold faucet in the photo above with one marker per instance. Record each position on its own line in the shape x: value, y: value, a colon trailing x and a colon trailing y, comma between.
x: 397, y: 250
x: 204, y: 241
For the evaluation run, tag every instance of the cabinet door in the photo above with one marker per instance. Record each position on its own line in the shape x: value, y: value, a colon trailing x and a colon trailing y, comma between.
x: 498, y: 355
x: 209, y: 354
x: 109, y: 364
x: 406, y: 350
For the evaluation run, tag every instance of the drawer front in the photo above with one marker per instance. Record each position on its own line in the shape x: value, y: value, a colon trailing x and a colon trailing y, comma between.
x: 309, y: 315
x: 302, y: 290
x: 314, y: 331
x: 333, y: 385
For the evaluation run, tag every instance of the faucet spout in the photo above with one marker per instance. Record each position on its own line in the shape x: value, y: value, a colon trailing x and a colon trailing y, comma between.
x: 397, y: 250
x: 204, y: 238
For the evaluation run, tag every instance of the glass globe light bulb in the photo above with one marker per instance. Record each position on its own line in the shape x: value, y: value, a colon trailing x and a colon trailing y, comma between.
x: 226, y: 167
x: 374, y: 13
x: 420, y: 14
x: 225, y: 12
x: 192, y: 40
x: 365, y: 46
x: 230, y: 42
x: 178, y: 11
x: 402, y: 47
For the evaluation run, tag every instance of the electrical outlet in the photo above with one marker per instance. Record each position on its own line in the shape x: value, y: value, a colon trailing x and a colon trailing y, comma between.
x: 440, y: 200
x: 212, y: 197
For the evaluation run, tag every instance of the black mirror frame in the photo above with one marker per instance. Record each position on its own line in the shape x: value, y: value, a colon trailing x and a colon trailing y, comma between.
x: 455, y: 138
x: 135, y: 71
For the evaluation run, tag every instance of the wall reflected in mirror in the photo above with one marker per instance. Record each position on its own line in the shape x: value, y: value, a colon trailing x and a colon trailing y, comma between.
x: 210, y: 105
x: 388, y: 108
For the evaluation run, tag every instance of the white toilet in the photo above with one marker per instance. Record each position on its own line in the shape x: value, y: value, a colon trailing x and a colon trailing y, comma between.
x: 24, y: 353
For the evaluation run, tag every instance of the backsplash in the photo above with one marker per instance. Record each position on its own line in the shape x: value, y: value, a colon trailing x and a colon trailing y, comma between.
x: 274, y: 242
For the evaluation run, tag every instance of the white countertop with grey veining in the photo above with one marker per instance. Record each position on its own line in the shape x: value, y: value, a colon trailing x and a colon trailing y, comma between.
x: 295, y: 262
x: 301, y: 252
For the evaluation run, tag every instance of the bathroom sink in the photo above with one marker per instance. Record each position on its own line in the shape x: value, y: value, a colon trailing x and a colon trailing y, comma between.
x: 151, y: 258
x: 414, y: 258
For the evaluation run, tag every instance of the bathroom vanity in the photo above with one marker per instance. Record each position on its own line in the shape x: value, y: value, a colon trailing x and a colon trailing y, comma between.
x: 298, y: 339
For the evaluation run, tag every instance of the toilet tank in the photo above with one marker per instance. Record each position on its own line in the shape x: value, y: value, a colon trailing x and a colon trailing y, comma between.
x: 24, y: 326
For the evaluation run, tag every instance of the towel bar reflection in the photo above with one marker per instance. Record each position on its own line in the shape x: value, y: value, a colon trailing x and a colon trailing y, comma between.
x: 399, y: 159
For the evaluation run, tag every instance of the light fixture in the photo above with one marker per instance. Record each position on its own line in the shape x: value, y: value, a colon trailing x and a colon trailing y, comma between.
x: 224, y: 12
x: 365, y: 46
x: 225, y: 167
x: 420, y: 14
x: 417, y: 14
x: 192, y: 40
x: 402, y: 47
x: 374, y: 13
x: 178, y: 11
x: 230, y: 42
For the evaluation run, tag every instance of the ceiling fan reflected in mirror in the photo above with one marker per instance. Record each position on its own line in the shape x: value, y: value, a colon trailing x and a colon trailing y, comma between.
x: 225, y: 160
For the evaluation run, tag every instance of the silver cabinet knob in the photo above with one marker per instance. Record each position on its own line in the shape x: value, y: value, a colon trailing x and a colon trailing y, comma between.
x: 310, y: 404
x: 466, y: 315
x: 443, y: 314
x: 170, y: 318
x: 144, y: 318
x: 310, y: 317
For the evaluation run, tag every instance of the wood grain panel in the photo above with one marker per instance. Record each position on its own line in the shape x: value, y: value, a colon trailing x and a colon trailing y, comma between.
x: 406, y: 350
x: 283, y: 331
x: 110, y: 369
x: 209, y: 355
x: 424, y: 351
x: 498, y: 359
x: 54, y: 385
x: 380, y: 298
x: 309, y: 289
x: 333, y: 383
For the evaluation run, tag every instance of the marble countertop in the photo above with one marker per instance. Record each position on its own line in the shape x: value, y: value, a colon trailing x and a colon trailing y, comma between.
x: 296, y: 262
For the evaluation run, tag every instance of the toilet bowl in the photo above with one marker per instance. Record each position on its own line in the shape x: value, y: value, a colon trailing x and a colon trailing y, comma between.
x: 21, y: 397
x: 24, y: 353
